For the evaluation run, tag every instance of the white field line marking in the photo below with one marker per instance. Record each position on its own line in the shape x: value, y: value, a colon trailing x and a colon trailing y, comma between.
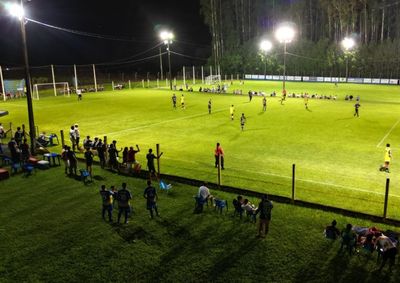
x: 300, y: 179
x: 164, y: 122
x: 388, y: 133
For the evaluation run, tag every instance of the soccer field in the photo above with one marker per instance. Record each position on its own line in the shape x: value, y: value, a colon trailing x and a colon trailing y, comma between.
x: 337, y: 155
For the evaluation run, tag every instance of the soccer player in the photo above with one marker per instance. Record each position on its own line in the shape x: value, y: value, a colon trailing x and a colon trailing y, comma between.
x: 72, y: 137
x: 107, y: 197
x: 124, y: 205
x: 356, y: 106
x: 283, y: 96
x: 306, y: 100
x: 388, y: 158
x: 232, y: 111
x: 209, y: 106
x: 79, y: 93
x: 150, y: 194
x: 150, y: 162
x: 264, y: 102
x: 77, y: 136
x: 219, y: 152
x: 174, y: 100
x: 242, y: 121
x: 183, y: 102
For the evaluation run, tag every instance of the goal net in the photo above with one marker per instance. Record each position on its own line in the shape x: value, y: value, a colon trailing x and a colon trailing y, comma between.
x: 215, y: 79
x: 50, y: 89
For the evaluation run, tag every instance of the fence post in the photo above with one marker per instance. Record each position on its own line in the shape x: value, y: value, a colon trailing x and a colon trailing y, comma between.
x: 158, y: 159
x: 386, y: 197
x: 219, y: 170
x: 293, y: 181
x: 62, y: 138
x: 105, y: 153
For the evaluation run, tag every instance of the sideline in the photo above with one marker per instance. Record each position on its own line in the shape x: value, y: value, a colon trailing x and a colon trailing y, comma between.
x: 388, y: 133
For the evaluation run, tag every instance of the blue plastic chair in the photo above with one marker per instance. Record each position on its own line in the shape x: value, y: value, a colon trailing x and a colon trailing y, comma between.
x: 220, y: 205
x: 164, y: 186
x: 84, y: 175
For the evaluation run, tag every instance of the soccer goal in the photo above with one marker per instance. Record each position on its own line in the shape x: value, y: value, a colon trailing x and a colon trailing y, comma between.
x: 215, y: 79
x: 49, y: 89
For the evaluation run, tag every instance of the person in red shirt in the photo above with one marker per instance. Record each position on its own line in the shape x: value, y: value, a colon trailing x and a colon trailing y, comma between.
x: 217, y: 153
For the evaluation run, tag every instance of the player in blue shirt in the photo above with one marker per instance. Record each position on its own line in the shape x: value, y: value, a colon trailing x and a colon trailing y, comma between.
x: 150, y: 194
x: 124, y: 203
x: 107, y: 197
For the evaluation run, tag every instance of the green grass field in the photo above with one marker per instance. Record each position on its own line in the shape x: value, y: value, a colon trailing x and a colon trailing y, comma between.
x: 337, y: 155
x: 51, y: 231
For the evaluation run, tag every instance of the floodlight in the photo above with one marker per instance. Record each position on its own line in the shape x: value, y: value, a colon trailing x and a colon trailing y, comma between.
x: 15, y: 10
x: 285, y: 33
x: 266, y: 45
x: 348, y: 43
x: 166, y: 36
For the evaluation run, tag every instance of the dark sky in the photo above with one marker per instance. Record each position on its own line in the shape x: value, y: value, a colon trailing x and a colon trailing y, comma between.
x: 136, y: 20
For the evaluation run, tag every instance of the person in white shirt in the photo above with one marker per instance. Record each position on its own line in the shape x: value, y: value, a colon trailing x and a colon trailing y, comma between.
x: 388, y: 250
x: 72, y: 137
x: 250, y: 209
x: 204, y: 194
x: 77, y: 136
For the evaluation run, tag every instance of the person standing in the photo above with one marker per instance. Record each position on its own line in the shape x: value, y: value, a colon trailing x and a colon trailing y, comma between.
x: 72, y: 137
x: 89, y: 161
x: 25, y: 152
x: 388, y: 158
x: 107, y: 197
x: 183, y: 102
x: 150, y: 162
x: 72, y: 162
x: 356, y: 106
x: 219, y: 153
x: 306, y: 100
x: 264, y: 102
x: 150, y: 194
x: 209, y: 106
x: 124, y: 203
x: 264, y: 209
x: 174, y: 100
x: 242, y: 121
x: 232, y: 111
x: 77, y: 136
x: 18, y: 136
x: 283, y: 96
x: 64, y: 157
x: 132, y: 156
x: 101, y: 150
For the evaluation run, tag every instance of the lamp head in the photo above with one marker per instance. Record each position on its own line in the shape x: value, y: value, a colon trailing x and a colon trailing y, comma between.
x: 348, y: 43
x: 166, y: 36
x: 285, y: 33
x: 266, y: 45
x: 15, y: 10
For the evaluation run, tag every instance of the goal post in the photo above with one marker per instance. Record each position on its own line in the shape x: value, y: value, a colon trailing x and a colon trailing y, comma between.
x: 213, y: 79
x: 46, y: 88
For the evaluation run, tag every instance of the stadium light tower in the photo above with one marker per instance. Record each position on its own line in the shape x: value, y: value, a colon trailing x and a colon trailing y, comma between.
x: 348, y: 45
x: 265, y: 47
x: 285, y: 34
x: 167, y: 37
x: 17, y: 11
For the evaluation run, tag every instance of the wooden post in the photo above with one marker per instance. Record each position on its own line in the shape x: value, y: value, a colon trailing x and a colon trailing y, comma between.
x: 237, y: 77
x: 62, y: 138
x: 158, y: 159
x: 386, y: 197
x: 219, y: 170
x: 293, y: 181
x: 54, y: 80
x: 76, y: 78
x: 166, y: 82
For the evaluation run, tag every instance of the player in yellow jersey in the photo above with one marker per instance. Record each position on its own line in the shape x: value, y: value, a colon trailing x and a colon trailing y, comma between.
x: 388, y: 158
x: 232, y: 111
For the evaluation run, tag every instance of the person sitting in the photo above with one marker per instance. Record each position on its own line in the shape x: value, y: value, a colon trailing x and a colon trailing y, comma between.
x: 42, y: 141
x: 237, y: 204
x: 331, y: 232
x: 250, y: 209
x: 200, y: 89
x: 388, y: 250
x: 348, y: 238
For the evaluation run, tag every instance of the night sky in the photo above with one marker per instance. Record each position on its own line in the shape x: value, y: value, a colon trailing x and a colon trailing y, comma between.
x: 139, y: 21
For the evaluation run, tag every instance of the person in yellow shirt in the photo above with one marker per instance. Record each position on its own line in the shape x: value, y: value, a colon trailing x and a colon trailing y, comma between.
x: 232, y: 111
x: 388, y: 157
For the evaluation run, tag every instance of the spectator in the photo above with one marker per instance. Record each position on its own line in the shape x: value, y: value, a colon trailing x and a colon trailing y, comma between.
x: 89, y: 161
x: 150, y: 162
x: 125, y: 156
x: 18, y: 136
x: 25, y: 152
x: 204, y: 194
x: 124, y: 206
x: 250, y: 209
x: 87, y: 142
x: 73, y: 162
x: 101, y: 150
x: 14, y: 150
x: 150, y: 194
x: 348, y: 238
x: 112, y: 157
x: 64, y: 157
x: 264, y: 208
x: 107, y: 197
x: 72, y: 137
x: 132, y: 156
x: 77, y: 136
x: 219, y: 152
x: 388, y: 250
x: 331, y: 232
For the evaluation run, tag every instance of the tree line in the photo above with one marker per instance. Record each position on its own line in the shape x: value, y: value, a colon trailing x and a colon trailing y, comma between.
x: 238, y: 26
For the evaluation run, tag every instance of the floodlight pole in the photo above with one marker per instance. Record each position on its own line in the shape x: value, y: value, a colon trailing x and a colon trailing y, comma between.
x: 95, y: 78
x: 169, y: 66
x: 347, y: 67
x: 32, y: 132
x: 284, y: 66
x: 2, y: 84
x: 161, y: 66
x: 54, y: 80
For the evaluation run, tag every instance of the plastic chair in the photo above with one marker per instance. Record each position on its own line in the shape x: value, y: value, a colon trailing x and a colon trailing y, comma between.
x: 84, y: 175
x: 220, y: 205
x: 164, y: 186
